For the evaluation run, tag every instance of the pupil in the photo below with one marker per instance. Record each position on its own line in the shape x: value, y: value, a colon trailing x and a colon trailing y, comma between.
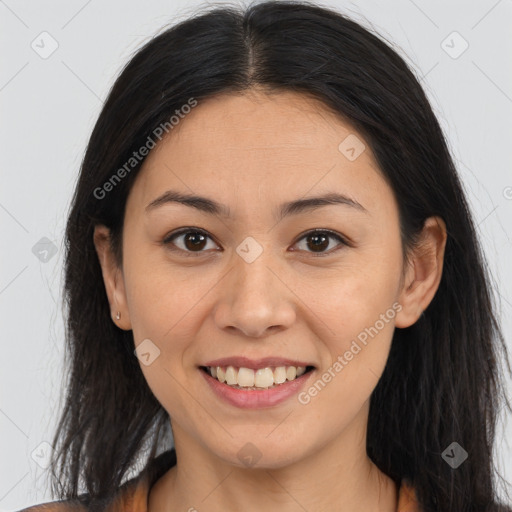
x: 319, y: 242
x: 196, y: 239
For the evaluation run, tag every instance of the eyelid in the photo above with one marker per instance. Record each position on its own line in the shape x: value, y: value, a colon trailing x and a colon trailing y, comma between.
x: 167, y: 241
x: 334, y: 234
x: 344, y: 241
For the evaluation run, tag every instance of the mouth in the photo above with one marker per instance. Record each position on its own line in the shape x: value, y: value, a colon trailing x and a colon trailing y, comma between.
x: 256, y: 383
x: 256, y: 379
x: 256, y: 388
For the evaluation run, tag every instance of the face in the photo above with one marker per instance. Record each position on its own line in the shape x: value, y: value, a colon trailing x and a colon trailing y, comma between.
x: 254, y: 280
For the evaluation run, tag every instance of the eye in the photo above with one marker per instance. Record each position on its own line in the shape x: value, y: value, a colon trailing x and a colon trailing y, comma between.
x: 194, y: 240
x: 318, y: 241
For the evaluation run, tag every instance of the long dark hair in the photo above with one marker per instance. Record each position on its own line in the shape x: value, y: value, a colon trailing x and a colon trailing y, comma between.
x: 442, y: 382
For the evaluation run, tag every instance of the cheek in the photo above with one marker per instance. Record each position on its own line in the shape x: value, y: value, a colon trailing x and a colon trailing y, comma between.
x: 361, y: 321
x: 356, y: 295
x: 161, y: 310
x: 167, y: 307
x: 359, y: 307
x: 160, y: 296
x: 359, y: 347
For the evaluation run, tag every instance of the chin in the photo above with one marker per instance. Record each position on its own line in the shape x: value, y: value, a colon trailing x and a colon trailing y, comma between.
x: 259, y: 452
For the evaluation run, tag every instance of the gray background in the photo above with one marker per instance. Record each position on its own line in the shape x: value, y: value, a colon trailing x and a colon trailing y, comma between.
x: 49, y: 106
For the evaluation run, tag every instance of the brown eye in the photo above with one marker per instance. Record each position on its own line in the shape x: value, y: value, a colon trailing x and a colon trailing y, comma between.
x: 193, y: 241
x: 188, y: 241
x: 318, y: 241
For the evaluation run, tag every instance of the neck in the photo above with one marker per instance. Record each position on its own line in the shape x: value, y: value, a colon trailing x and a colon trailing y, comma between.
x: 337, y: 477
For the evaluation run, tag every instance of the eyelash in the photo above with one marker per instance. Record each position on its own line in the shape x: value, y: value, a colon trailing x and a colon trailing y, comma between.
x: 330, y: 234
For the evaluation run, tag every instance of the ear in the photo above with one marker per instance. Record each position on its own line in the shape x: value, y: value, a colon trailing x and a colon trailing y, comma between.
x: 423, y: 273
x: 112, y: 278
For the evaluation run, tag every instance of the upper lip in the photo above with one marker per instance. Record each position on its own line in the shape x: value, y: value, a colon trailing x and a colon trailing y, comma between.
x: 255, y: 364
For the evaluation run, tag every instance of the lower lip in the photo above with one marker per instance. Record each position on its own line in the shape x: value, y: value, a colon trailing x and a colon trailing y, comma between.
x: 256, y: 399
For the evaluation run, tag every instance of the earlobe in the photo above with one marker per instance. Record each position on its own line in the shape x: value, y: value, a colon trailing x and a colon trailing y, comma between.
x: 112, y: 278
x: 424, y: 272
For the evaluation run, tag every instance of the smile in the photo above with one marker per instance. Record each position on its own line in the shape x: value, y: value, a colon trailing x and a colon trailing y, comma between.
x: 259, y: 388
x: 249, y: 379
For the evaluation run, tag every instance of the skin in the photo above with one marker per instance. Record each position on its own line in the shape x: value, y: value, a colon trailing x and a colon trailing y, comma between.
x: 252, y: 152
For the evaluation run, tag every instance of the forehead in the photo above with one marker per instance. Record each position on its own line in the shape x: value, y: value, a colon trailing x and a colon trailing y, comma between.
x: 262, y: 122
x: 259, y: 145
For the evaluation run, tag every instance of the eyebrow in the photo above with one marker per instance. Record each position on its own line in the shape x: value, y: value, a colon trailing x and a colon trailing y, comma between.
x: 212, y: 207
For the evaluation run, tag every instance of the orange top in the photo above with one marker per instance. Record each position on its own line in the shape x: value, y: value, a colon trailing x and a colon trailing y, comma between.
x: 133, y: 494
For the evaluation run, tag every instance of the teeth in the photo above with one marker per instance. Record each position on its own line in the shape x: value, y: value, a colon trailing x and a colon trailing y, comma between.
x: 245, y: 377
x: 280, y: 374
x: 291, y: 373
x: 262, y: 378
x: 231, y: 375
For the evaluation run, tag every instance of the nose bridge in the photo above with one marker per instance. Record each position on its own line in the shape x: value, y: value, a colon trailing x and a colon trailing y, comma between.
x: 253, y: 280
x: 252, y: 271
x: 255, y: 299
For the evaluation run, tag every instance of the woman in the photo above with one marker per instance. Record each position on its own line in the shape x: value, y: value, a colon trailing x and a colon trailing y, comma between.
x: 270, y: 252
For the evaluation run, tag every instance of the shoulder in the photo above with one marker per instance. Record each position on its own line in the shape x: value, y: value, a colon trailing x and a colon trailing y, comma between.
x: 132, y: 495
x: 56, y: 506
x: 407, y: 500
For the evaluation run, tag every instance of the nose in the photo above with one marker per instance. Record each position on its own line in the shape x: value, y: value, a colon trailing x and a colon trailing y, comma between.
x: 256, y: 298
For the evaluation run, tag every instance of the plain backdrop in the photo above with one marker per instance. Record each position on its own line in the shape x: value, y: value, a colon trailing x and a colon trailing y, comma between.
x: 59, y: 59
